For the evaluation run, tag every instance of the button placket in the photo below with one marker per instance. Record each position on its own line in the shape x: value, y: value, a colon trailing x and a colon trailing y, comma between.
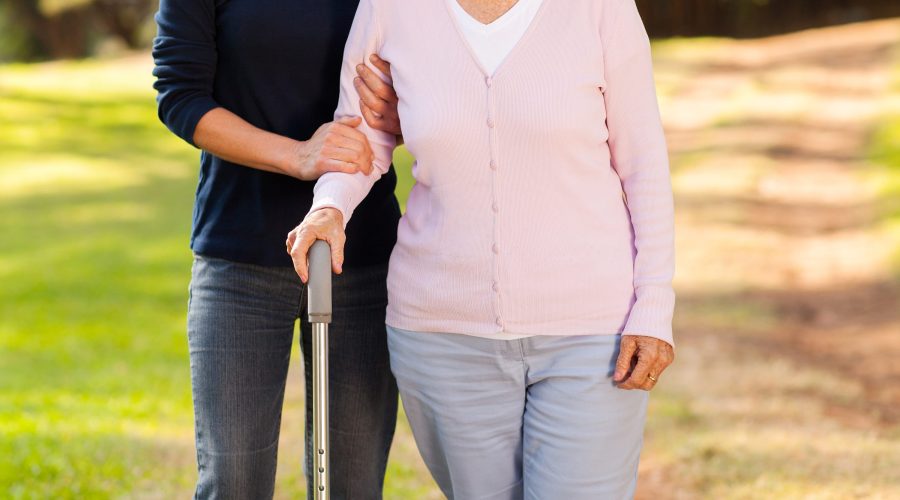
x: 494, y: 165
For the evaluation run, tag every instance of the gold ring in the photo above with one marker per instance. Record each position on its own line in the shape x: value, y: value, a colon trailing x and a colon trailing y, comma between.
x: 651, y: 377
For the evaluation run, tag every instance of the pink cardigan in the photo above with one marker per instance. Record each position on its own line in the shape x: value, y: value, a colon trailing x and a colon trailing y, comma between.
x: 542, y: 203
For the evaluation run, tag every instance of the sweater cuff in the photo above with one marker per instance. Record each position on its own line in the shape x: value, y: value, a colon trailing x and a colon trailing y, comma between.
x: 191, y: 113
x: 334, y: 192
x: 652, y: 314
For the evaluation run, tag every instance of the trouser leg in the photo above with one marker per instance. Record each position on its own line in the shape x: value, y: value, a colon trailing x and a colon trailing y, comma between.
x: 240, y: 327
x: 582, y: 434
x: 464, y: 398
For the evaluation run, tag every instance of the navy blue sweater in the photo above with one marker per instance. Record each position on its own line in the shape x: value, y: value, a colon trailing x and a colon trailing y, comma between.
x: 276, y: 64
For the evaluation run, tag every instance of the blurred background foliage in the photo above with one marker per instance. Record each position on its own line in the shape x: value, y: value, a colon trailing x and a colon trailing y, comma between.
x: 66, y: 29
x: 56, y: 29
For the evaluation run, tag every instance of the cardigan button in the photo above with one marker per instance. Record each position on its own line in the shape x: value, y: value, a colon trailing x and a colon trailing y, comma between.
x: 488, y: 81
x: 493, y: 165
x: 496, y: 251
x: 499, y: 323
x: 490, y: 123
x: 495, y: 207
x: 496, y: 287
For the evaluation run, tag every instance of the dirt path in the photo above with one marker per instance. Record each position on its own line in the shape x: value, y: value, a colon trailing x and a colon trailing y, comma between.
x: 786, y: 298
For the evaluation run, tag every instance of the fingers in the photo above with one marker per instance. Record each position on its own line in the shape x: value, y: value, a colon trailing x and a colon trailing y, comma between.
x: 374, y: 120
x: 653, y: 357
x: 345, y: 131
x: 376, y: 103
x: 627, y: 346
x: 325, y: 224
x: 378, y: 100
x: 332, y: 165
x: 381, y: 64
x: 299, y: 250
x: 337, y: 252
x: 638, y: 377
x: 346, y: 145
x: 348, y: 150
x: 375, y: 84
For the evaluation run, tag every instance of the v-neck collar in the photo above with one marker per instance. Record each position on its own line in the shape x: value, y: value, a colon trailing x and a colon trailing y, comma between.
x: 496, y: 23
x: 462, y: 37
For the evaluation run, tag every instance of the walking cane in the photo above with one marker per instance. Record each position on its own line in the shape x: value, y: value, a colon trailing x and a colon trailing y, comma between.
x: 319, y: 290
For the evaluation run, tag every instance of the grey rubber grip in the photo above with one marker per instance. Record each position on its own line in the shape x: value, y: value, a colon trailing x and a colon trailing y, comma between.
x: 319, y: 286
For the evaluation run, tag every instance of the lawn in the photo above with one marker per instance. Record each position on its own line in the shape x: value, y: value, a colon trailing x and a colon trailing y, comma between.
x: 95, y: 204
x: 786, y: 218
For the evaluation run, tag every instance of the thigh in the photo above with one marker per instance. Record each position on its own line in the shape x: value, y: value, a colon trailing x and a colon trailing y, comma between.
x: 464, y: 397
x: 240, y: 325
x: 582, y: 435
x: 362, y: 391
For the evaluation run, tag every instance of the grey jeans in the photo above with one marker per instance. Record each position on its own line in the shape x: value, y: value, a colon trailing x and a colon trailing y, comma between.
x: 240, y: 328
x: 533, y: 418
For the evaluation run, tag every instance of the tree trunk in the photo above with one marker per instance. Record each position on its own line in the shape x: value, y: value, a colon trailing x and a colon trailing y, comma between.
x: 62, y: 36
x: 124, y: 18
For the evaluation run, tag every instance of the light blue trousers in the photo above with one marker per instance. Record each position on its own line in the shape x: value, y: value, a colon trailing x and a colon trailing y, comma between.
x: 536, y: 418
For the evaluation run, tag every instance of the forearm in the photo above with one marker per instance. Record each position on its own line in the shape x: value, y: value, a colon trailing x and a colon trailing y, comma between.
x: 233, y: 139
x: 343, y: 192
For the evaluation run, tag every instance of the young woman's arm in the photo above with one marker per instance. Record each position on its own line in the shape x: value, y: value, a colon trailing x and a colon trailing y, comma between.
x: 340, y: 191
x: 338, y: 194
x: 185, y: 55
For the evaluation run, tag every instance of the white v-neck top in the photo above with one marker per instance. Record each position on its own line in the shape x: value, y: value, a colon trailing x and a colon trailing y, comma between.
x: 493, y: 42
x: 542, y: 203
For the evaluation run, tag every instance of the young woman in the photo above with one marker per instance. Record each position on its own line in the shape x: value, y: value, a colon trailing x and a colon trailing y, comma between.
x: 530, y: 286
x: 252, y: 82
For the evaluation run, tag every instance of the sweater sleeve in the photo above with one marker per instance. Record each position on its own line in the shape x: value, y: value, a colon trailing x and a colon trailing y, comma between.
x: 184, y: 54
x: 340, y: 190
x: 640, y: 158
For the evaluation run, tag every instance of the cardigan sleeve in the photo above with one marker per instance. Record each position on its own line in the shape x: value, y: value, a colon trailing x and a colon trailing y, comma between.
x: 184, y: 54
x: 639, y: 156
x: 337, y: 189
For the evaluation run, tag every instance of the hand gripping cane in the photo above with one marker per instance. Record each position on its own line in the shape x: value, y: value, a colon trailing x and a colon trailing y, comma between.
x: 319, y: 291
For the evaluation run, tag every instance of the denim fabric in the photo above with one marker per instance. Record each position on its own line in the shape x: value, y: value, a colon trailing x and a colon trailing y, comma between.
x: 534, y: 418
x: 240, y: 328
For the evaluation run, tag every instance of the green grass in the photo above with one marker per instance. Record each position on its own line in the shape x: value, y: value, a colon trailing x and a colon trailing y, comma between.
x: 95, y: 204
x: 95, y: 208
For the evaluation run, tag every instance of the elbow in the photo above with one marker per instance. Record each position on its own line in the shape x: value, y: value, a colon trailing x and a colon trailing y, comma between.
x: 181, y: 111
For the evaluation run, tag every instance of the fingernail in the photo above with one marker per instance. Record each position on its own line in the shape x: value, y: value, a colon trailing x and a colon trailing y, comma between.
x: 373, y: 58
x: 360, y: 67
x: 357, y: 80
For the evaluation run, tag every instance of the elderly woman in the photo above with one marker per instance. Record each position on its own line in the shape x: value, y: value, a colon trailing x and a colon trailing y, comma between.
x: 530, y: 286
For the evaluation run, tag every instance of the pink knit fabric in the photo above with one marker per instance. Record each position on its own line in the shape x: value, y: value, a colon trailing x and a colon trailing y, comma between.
x: 543, y: 202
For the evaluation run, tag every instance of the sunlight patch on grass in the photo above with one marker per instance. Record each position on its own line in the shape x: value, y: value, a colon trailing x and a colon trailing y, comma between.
x: 50, y: 174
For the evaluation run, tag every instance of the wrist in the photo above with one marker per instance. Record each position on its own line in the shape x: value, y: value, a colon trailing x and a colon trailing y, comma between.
x: 291, y: 157
x: 330, y: 212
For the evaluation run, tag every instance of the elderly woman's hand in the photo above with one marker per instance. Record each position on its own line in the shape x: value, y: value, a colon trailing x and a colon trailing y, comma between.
x: 324, y: 224
x: 653, y: 356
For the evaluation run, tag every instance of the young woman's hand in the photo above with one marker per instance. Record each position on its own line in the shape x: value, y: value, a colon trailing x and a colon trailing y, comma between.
x: 324, y: 224
x: 335, y: 147
x: 653, y: 356
x: 377, y: 99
